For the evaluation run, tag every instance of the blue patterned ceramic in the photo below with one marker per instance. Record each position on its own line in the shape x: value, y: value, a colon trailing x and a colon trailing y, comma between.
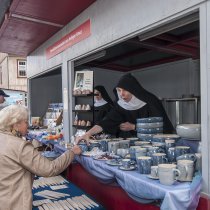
x: 149, y: 130
x: 150, y: 125
x: 144, y: 164
x: 149, y: 120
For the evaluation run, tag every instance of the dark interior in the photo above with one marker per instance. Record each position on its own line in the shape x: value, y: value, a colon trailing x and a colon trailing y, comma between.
x: 178, y: 44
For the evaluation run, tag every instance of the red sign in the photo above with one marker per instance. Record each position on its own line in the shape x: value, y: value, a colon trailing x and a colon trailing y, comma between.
x: 77, y: 35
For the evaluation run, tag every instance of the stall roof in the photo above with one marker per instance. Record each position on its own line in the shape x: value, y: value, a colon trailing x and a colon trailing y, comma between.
x: 26, y: 24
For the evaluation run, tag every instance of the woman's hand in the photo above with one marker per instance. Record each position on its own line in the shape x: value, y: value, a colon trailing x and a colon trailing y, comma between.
x: 86, y: 137
x: 76, y: 150
x: 127, y: 126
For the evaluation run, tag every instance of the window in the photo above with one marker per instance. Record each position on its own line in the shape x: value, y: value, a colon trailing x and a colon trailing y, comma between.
x: 21, y: 68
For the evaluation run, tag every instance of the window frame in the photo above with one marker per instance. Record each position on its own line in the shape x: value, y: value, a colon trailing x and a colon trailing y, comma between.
x: 18, y: 70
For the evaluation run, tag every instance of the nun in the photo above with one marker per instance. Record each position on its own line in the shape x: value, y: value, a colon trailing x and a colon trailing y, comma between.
x: 102, y: 103
x: 133, y: 102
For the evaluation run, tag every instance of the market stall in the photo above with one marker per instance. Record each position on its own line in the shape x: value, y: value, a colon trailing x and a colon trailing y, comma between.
x: 141, y: 187
x: 137, y: 188
x: 167, y: 51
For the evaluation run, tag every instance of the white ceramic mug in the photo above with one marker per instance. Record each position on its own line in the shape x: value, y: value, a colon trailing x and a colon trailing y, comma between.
x: 186, y: 168
x: 168, y: 173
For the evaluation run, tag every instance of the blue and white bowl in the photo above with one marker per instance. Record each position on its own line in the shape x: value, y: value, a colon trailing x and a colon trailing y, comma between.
x: 149, y: 120
x: 150, y: 125
x: 145, y: 137
x: 149, y: 130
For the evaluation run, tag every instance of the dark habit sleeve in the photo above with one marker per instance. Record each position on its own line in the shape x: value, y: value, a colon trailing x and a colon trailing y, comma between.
x: 101, y: 112
x: 111, y: 121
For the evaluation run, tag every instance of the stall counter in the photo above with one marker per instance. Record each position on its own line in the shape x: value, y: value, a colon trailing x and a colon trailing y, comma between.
x: 139, y: 187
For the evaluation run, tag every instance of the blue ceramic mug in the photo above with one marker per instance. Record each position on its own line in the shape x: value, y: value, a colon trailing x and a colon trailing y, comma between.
x: 171, y: 155
x: 144, y: 164
x: 103, y: 145
x: 159, y: 158
x: 181, y: 150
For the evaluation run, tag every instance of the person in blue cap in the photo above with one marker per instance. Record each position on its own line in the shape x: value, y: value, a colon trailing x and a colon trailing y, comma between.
x: 2, y: 96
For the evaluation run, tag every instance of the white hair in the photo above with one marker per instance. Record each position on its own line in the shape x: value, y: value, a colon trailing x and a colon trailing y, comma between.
x: 11, y: 115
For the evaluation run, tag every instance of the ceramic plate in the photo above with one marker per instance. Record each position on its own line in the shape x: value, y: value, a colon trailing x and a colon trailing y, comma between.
x: 86, y: 154
x: 99, y: 158
x: 102, y: 157
x: 113, y: 162
x: 152, y: 177
x: 127, y: 169
x: 93, y: 152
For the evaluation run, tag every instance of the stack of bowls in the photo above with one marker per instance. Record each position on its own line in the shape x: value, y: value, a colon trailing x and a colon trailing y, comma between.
x: 147, y: 127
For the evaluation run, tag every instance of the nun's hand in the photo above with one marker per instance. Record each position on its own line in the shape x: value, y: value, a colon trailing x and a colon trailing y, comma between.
x: 86, y: 137
x: 127, y: 126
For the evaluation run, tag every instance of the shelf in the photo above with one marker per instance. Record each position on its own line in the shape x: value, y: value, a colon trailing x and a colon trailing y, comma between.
x: 81, y: 127
x: 83, y: 98
x: 83, y: 111
x: 85, y: 95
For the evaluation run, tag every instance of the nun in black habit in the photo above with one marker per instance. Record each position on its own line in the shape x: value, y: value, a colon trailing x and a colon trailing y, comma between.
x: 102, y: 103
x: 133, y: 102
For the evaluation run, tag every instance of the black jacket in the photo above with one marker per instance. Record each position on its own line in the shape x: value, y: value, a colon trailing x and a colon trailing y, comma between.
x: 101, y: 111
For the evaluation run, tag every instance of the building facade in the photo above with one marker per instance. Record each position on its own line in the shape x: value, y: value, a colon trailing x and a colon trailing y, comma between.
x: 13, y: 74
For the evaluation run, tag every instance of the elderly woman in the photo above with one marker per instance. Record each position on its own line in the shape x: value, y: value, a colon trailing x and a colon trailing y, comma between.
x: 19, y: 160
x: 133, y: 102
